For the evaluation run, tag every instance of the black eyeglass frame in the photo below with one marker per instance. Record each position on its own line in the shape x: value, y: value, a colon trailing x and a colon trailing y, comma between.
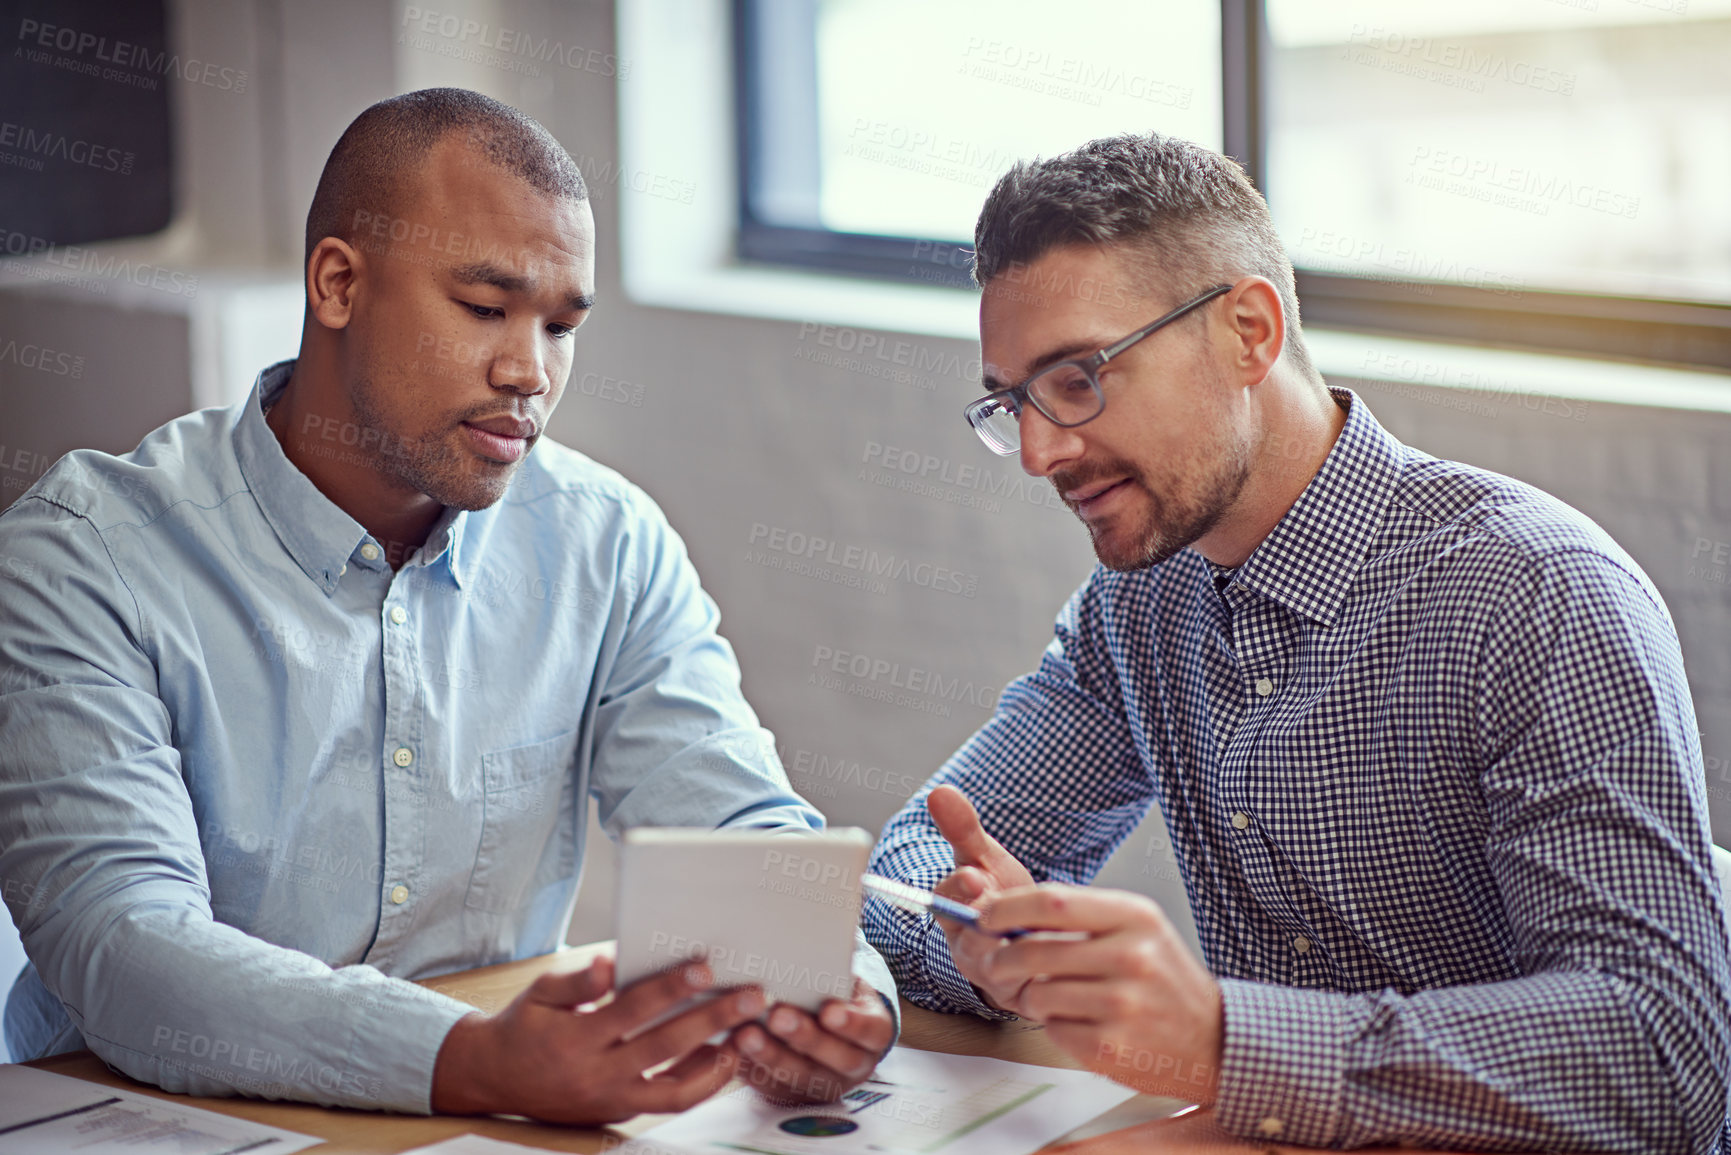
x: 1012, y: 399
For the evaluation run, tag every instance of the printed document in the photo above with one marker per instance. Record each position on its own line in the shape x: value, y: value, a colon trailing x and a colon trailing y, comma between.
x: 916, y: 1103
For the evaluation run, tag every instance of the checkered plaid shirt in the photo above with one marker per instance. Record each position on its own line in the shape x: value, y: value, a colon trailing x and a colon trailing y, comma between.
x: 1432, y: 778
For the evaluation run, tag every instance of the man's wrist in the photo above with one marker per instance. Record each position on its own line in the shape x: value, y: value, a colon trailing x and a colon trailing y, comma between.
x: 459, y: 1084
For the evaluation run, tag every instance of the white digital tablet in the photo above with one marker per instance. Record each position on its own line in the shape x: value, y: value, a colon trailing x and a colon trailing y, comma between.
x: 774, y: 910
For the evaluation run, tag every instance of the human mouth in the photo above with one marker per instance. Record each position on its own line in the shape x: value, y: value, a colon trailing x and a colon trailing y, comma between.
x: 503, y: 438
x: 1090, y: 500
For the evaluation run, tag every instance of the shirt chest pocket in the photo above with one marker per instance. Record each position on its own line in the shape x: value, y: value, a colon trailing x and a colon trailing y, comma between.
x: 528, y: 836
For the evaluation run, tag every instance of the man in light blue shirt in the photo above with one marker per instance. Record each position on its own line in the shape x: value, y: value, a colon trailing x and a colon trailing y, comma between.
x: 306, y: 697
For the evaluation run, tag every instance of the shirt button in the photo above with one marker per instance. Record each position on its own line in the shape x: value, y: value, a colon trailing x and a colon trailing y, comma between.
x: 403, y: 756
x: 399, y: 614
x: 1301, y: 945
x: 344, y: 570
x: 1271, y: 1126
x: 1240, y: 819
x: 370, y: 551
x: 1264, y: 687
x: 399, y: 894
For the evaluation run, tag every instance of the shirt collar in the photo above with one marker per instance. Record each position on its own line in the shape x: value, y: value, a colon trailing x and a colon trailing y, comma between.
x: 1308, y: 561
x: 320, y: 537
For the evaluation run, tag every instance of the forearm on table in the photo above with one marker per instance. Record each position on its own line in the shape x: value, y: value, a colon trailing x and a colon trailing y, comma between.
x: 174, y: 999
x: 1558, y: 1061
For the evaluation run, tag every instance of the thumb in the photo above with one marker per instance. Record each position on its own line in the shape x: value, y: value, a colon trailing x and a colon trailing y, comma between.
x: 959, y: 823
x: 574, y: 988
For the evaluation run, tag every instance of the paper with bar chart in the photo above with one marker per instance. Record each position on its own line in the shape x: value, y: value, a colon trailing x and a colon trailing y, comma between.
x: 916, y: 1103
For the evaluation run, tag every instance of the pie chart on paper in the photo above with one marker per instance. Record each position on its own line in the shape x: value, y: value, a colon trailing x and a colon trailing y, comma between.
x: 819, y: 1126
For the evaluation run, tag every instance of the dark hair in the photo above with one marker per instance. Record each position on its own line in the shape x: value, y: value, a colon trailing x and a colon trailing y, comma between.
x: 1192, y: 212
x: 373, y: 162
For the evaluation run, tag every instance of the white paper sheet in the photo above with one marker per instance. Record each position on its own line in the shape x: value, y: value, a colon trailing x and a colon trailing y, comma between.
x: 917, y: 1102
x: 472, y: 1144
x: 42, y: 1113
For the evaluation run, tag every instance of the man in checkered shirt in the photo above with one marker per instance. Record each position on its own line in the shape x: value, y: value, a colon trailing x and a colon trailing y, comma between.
x: 1420, y: 733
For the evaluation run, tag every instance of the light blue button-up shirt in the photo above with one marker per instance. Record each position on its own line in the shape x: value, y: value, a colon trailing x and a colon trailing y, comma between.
x: 251, y: 779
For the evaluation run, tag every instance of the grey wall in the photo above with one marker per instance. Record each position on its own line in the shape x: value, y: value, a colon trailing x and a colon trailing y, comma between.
x: 744, y: 440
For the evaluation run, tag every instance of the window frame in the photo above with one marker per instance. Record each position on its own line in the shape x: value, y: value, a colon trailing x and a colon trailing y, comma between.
x: 1694, y: 334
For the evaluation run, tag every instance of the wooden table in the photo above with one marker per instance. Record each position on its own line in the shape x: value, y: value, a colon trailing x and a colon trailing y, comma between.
x: 1143, y: 1124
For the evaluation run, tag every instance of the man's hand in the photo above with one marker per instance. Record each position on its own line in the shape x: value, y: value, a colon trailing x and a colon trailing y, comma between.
x: 1129, y: 1000
x: 983, y: 869
x: 553, y: 1056
x: 806, y: 1059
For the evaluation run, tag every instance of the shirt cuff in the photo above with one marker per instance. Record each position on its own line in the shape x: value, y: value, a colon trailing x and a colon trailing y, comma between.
x: 396, y: 1051
x: 1282, y: 1066
x: 869, y: 965
x: 946, y: 986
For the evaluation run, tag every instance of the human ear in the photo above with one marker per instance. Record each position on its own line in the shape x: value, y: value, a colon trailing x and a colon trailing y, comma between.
x: 333, y: 271
x: 1256, y: 326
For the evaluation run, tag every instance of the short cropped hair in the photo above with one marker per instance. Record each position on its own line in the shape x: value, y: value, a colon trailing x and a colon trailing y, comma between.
x: 376, y: 159
x: 1191, y: 213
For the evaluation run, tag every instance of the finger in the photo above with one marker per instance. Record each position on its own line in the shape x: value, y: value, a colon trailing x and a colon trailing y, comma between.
x: 685, y: 1033
x: 1081, y: 1001
x: 959, y: 823
x: 1117, y: 955
x: 685, y: 1084
x: 648, y: 997
x: 966, y: 885
x: 779, y: 1072
x: 1057, y: 906
x: 804, y: 1034
x: 574, y: 988
x: 866, y: 1021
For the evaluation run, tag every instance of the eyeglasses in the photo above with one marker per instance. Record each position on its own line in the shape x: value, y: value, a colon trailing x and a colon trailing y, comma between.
x: 1066, y: 393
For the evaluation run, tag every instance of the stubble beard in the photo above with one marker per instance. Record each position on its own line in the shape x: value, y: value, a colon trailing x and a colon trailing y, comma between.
x: 1178, y: 514
x: 432, y: 463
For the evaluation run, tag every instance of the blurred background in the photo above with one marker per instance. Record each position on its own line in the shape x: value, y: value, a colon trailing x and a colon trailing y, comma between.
x: 1509, y: 218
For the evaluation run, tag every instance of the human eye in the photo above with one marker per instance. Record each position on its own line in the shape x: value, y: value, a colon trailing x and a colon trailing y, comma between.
x: 1066, y: 381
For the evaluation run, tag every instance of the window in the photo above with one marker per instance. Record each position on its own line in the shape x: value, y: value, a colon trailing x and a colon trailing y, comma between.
x: 871, y: 130
x: 1528, y: 173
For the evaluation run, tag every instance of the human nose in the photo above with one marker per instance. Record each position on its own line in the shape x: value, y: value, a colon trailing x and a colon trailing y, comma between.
x: 520, y: 365
x: 1046, y: 446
